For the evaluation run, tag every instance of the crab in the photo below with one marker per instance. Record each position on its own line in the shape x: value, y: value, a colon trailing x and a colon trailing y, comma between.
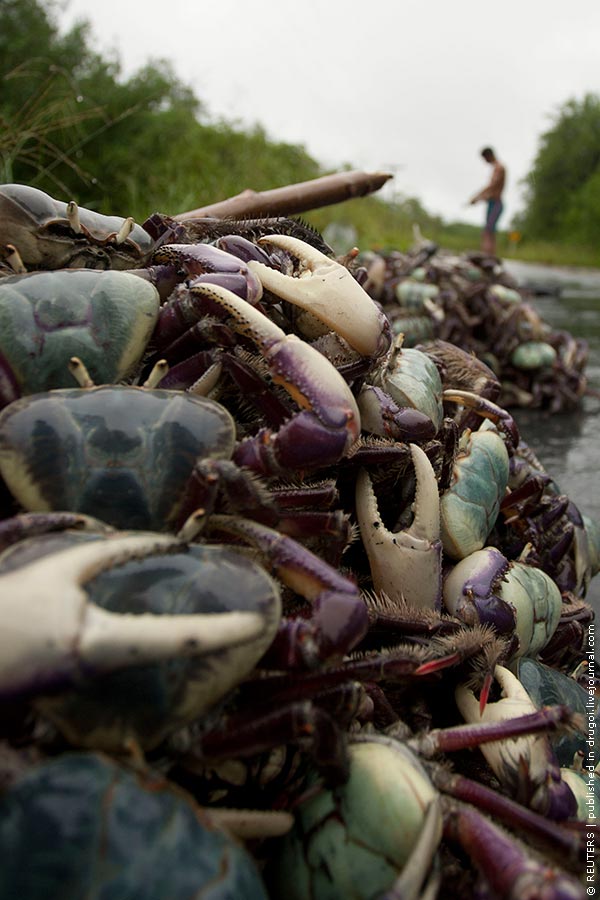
x: 381, y: 830
x: 48, y: 317
x: 49, y: 234
x: 54, y: 636
x: 519, y: 600
x: 528, y: 766
x: 148, y: 827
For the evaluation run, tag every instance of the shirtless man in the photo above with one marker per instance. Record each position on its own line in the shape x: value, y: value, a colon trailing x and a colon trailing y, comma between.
x: 493, y: 194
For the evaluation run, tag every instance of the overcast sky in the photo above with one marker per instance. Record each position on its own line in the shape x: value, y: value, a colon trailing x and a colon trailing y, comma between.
x: 411, y: 87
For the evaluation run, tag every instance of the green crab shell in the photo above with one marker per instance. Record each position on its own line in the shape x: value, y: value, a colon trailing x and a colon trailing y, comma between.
x: 470, y: 506
x: 416, y: 329
x: 411, y: 293
x: 104, y: 318
x: 83, y: 826
x: 353, y: 841
x: 533, y: 597
x: 412, y: 379
x: 506, y: 295
x: 538, y: 604
x: 149, y: 702
x: 120, y: 454
x: 533, y: 355
x: 592, y: 539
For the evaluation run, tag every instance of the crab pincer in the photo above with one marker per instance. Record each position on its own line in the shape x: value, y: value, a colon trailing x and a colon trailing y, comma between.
x: 329, y: 421
x: 53, y: 635
x: 328, y: 291
x: 406, y: 565
x: 210, y: 263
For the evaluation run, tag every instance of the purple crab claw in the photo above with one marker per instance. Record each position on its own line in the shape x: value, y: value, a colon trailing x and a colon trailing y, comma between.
x: 525, y: 765
x: 53, y: 635
x: 505, y: 864
x: 338, y: 618
x: 327, y: 290
x: 406, y: 565
x: 329, y: 421
x: 213, y: 265
x: 521, y: 602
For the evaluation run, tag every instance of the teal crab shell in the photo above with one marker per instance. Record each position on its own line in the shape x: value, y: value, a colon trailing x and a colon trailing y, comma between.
x: 83, y: 826
x: 470, y: 506
x: 546, y: 687
x: 354, y: 840
x: 149, y: 702
x: 104, y: 318
x: 120, y: 454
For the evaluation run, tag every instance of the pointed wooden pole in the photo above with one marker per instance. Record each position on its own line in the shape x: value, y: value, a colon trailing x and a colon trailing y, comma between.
x: 293, y: 198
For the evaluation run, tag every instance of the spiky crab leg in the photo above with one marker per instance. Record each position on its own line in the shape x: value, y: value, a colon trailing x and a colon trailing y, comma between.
x: 405, y: 565
x: 487, y: 410
x: 558, y: 838
x: 339, y: 619
x: 328, y: 291
x: 329, y: 421
x: 52, y: 634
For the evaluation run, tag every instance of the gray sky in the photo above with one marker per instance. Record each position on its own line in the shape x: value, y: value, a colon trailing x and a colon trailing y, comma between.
x: 413, y: 88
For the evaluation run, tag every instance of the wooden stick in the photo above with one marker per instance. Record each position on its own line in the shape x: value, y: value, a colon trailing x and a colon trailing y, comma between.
x: 293, y: 198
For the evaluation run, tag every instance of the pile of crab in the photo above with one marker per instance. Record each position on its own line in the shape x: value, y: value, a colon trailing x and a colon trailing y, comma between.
x: 473, y: 302
x: 288, y: 609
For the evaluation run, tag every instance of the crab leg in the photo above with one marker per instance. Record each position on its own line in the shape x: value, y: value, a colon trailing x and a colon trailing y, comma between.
x: 527, y: 765
x: 488, y: 410
x: 214, y: 265
x: 329, y: 422
x: 52, y: 634
x: 405, y: 565
x: 328, y: 291
x: 339, y: 619
x: 505, y: 864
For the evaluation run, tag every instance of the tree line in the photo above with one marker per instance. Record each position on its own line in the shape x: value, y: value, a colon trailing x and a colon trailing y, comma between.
x: 71, y: 125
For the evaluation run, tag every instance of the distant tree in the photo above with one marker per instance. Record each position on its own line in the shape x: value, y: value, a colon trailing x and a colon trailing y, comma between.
x: 563, y: 187
x: 72, y: 126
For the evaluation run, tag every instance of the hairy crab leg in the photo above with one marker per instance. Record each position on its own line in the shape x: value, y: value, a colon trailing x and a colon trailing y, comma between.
x: 340, y: 617
x: 329, y: 423
x: 560, y: 839
x: 504, y: 863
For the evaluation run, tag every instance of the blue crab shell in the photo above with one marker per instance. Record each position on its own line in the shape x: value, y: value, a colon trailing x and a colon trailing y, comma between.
x: 104, y: 318
x: 120, y: 454
x: 148, y: 702
x: 82, y: 826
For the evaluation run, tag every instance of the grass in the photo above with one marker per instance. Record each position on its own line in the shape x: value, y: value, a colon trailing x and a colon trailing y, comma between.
x: 385, y: 226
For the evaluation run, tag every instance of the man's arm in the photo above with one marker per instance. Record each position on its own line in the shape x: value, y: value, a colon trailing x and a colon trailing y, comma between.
x: 493, y: 190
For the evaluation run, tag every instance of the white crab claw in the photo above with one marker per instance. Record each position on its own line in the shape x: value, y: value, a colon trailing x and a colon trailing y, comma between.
x: 328, y: 291
x: 73, y: 217
x: 52, y: 634
x: 406, y: 565
x: 125, y: 230
x: 524, y: 764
